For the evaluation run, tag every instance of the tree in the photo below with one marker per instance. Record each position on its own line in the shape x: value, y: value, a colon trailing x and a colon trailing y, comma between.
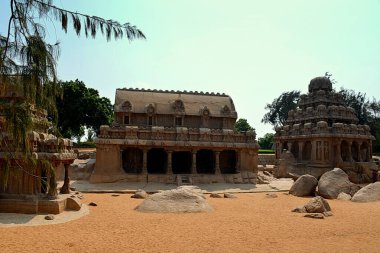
x: 28, y: 62
x: 279, y: 108
x: 266, y: 142
x: 242, y: 125
x: 81, y: 107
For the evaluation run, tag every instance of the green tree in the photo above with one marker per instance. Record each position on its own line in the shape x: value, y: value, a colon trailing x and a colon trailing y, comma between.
x: 242, y: 125
x: 266, y: 142
x: 28, y: 62
x: 279, y: 108
x: 81, y: 107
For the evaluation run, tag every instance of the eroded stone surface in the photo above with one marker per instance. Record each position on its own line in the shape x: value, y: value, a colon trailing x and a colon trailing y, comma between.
x: 368, y: 193
x: 175, y: 201
x: 304, y: 186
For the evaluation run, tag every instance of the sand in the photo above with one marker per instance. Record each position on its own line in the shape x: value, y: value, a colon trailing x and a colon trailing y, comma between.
x: 250, y: 223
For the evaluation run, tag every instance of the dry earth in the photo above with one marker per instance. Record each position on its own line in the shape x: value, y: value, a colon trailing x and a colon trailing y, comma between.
x: 250, y: 223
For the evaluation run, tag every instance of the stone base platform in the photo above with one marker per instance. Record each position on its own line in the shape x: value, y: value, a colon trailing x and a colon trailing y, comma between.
x: 31, y: 205
x: 243, y: 177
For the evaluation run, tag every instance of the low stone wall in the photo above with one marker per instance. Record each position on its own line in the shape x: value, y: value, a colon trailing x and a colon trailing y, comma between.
x: 30, y: 206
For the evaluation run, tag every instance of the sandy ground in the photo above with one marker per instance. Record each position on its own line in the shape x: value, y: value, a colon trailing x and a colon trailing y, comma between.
x: 250, y: 223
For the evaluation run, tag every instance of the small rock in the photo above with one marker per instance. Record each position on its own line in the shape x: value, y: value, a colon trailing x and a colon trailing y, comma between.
x: 140, y: 194
x: 328, y: 214
x: 215, y: 195
x: 73, y: 203
x: 344, y: 196
x: 73, y: 189
x: 314, y: 215
x: 229, y: 195
x: 317, y: 205
x: 92, y: 204
x: 115, y: 195
x: 49, y: 217
x: 271, y: 195
x: 77, y: 193
x: 299, y: 209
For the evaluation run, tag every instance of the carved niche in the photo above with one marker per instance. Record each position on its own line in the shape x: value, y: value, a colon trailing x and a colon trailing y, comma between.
x: 126, y: 106
x: 178, y: 106
x: 150, y: 109
x: 225, y: 110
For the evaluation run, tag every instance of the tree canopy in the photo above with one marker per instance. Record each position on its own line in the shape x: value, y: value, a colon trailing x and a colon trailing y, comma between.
x: 81, y: 107
x: 279, y: 108
x: 266, y: 142
x: 242, y: 125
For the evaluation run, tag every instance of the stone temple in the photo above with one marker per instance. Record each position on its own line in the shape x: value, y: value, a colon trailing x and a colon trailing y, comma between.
x: 174, y: 137
x: 27, y: 186
x: 322, y: 134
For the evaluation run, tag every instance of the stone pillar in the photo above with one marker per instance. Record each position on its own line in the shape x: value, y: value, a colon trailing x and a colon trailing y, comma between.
x: 217, y: 165
x: 65, y: 189
x: 313, y: 150
x: 350, y: 151
x: 194, y: 162
x: 360, y: 159
x: 339, y: 152
x: 238, y: 160
x: 300, y: 150
x: 169, y: 168
x: 145, y: 161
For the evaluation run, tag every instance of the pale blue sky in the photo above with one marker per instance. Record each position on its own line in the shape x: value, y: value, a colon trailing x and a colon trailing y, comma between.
x: 251, y: 50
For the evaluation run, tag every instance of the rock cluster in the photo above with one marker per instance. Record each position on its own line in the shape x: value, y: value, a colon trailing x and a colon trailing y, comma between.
x: 317, y: 208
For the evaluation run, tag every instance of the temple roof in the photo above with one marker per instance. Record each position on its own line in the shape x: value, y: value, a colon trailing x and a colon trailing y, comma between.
x: 320, y: 83
x: 174, y: 102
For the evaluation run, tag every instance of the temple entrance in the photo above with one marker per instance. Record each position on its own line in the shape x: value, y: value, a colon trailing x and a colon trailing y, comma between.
x: 181, y: 162
x: 205, y: 162
x: 364, y: 151
x: 227, y: 161
x: 355, y: 151
x: 306, y: 152
x: 157, y: 160
x: 344, y: 150
x: 295, y: 150
x: 132, y: 160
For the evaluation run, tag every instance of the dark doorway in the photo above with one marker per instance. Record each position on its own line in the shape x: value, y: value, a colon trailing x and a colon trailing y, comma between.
x: 227, y: 161
x: 205, y: 162
x: 157, y: 161
x: 44, y: 179
x: 181, y: 162
x: 306, y: 152
x: 295, y: 150
x: 364, y: 152
x: 132, y: 159
x: 344, y: 149
x: 355, y: 151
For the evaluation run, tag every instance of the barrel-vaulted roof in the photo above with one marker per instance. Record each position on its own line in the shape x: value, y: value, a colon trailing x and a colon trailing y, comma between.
x: 174, y: 102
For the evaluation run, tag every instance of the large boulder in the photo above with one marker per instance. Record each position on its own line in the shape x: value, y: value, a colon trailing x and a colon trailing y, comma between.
x: 304, y: 186
x: 334, y: 182
x: 317, y: 205
x: 368, y: 193
x: 175, y: 201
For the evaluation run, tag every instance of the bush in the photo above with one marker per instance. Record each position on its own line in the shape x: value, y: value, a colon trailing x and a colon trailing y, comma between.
x: 266, y: 151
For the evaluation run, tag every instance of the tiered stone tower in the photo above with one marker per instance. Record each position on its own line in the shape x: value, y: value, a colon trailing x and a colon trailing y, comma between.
x: 322, y: 134
x: 25, y: 185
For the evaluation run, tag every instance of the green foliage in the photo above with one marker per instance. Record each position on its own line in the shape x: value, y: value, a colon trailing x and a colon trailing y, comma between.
x: 279, y: 108
x: 266, y: 142
x: 242, y: 125
x: 266, y: 151
x: 81, y: 107
x: 28, y: 67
